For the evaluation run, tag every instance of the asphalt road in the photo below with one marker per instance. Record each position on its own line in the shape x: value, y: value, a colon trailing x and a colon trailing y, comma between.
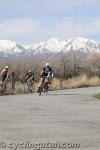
x: 69, y: 116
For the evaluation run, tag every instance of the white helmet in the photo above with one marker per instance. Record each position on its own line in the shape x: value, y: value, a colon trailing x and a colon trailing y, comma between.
x: 6, y: 67
x: 47, y: 64
x: 29, y: 71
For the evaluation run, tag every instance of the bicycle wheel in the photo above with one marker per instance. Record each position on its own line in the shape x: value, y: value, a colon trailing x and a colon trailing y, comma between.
x: 46, y: 87
x: 40, y: 91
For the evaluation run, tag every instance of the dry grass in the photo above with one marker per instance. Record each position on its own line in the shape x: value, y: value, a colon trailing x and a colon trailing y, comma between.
x: 77, y: 82
x: 20, y: 88
x: 57, y: 84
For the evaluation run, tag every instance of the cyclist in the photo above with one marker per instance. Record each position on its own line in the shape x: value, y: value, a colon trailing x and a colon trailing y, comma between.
x: 46, y: 73
x: 30, y: 80
x: 5, y: 75
x: 29, y: 75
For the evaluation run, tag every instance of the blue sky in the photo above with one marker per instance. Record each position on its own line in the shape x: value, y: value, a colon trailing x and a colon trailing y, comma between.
x: 28, y: 21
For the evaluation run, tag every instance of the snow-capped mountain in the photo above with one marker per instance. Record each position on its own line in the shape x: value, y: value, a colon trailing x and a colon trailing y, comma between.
x: 82, y: 44
x: 52, y: 46
x: 10, y: 48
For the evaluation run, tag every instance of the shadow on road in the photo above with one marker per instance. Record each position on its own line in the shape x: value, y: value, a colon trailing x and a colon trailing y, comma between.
x: 62, y: 94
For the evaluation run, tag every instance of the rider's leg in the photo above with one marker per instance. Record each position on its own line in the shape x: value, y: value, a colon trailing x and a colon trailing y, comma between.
x: 5, y: 84
x: 40, y: 83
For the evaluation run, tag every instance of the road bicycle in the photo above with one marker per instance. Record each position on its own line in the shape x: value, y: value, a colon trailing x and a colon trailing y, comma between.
x: 30, y: 86
x: 3, y: 85
x: 44, y: 85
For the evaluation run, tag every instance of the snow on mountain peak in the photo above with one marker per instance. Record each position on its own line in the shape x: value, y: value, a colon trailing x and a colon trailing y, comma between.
x: 56, y: 45
x: 53, y: 45
x: 83, y: 44
x: 6, y: 45
x: 10, y: 47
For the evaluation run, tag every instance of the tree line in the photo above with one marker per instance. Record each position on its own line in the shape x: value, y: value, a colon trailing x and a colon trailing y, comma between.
x: 65, y: 65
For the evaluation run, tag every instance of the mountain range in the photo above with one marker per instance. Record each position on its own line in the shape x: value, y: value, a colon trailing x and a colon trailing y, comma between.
x: 52, y: 46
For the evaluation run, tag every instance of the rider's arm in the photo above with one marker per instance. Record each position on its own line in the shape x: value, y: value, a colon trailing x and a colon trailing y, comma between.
x: 32, y: 77
x: 50, y: 73
x: 1, y: 73
x: 41, y: 73
x: 8, y: 76
x: 26, y: 77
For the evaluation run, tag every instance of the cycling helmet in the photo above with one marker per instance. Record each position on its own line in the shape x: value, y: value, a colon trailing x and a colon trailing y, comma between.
x: 29, y: 71
x: 6, y: 67
x: 47, y: 64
